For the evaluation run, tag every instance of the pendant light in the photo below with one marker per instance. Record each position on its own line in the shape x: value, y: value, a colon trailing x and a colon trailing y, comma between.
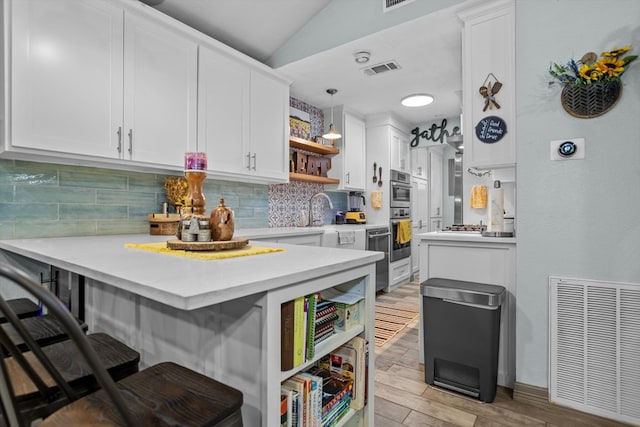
x: 332, y: 133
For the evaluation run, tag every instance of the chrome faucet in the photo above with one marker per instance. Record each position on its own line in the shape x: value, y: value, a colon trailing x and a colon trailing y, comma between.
x: 311, y: 222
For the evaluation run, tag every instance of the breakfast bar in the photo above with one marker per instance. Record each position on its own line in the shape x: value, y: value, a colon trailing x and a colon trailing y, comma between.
x: 220, y: 317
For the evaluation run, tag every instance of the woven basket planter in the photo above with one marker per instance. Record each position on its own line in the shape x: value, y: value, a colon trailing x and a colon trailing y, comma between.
x: 590, y: 100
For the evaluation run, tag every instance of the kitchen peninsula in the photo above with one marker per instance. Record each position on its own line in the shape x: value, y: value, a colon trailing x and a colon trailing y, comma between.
x: 219, y: 317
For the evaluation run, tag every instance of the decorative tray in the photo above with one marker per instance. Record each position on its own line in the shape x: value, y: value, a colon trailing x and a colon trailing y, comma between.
x: 219, y: 245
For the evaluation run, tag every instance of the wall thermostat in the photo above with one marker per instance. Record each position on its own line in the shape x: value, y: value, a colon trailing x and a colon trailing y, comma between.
x: 567, y: 149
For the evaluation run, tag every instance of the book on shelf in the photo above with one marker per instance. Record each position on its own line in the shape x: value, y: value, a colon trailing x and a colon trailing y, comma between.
x: 286, y: 335
x: 298, y: 331
x: 300, y: 393
x: 336, y: 391
x: 315, y: 399
x: 312, y: 301
x: 350, y: 361
x: 284, y: 409
x: 293, y: 405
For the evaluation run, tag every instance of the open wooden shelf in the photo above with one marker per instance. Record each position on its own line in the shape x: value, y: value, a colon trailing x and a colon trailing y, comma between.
x: 303, y: 144
x: 312, y: 178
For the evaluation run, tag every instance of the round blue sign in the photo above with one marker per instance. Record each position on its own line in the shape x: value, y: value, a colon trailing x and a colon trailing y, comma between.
x: 491, y: 129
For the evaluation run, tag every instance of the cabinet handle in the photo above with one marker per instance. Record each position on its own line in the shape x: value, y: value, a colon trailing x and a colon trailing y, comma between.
x: 130, y: 141
x: 438, y: 211
x: 249, y: 160
x: 348, y: 177
x: 119, y: 139
x: 419, y: 170
x: 254, y: 161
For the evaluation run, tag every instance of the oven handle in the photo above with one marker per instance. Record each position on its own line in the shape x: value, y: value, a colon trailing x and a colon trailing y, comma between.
x: 400, y: 184
x: 373, y: 236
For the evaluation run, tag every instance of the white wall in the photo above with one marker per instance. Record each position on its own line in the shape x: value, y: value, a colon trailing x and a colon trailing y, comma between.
x: 576, y: 218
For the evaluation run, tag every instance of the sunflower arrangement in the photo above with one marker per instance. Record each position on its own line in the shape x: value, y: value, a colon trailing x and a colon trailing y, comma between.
x: 610, y: 66
x: 176, y: 188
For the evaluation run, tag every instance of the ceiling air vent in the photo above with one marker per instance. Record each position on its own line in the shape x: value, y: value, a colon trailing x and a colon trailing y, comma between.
x: 381, y: 68
x: 388, y: 5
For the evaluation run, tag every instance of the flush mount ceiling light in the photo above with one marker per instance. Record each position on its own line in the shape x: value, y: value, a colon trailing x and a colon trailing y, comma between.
x: 417, y: 100
x: 332, y: 133
x: 362, y: 56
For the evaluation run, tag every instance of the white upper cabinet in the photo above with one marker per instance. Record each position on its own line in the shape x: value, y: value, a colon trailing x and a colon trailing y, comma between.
x: 419, y: 162
x: 116, y: 83
x: 269, y: 127
x: 223, y: 112
x: 66, y: 62
x: 349, y: 165
x: 242, y: 122
x: 92, y: 80
x: 490, y: 133
x: 400, y: 156
x: 160, y: 92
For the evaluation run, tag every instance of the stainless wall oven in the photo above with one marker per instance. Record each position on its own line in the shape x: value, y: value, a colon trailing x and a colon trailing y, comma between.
x: 400, y: 191
x: 400, y: 210
x: 399, y: 250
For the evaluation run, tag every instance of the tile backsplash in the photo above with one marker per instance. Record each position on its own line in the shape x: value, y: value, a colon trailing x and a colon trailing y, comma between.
x: 50, y: 200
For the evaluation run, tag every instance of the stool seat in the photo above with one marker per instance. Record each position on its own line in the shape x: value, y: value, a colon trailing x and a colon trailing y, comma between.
x: 165, y: 394
x: 45, y: 330
x: 119, y: 360
x: 22, y: 307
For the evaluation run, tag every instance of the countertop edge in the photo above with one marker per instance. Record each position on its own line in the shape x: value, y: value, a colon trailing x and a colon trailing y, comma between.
x: 283, y: 273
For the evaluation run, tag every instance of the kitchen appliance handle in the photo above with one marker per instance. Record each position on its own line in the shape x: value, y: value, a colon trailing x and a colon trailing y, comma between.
x: 399, y: 184
x: 373, y: 236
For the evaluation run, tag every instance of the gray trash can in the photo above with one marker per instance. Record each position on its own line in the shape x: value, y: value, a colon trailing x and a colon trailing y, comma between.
x: 461, y: 335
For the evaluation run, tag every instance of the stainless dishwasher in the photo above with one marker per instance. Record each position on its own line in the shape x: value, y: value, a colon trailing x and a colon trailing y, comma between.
x: 378, y: 240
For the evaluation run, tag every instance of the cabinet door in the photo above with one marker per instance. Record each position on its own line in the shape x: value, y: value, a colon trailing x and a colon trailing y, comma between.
x: 354, y: 153
x: 223, y: 113
x: 435, y: 183
x: 419, y: 217
x: 400, y: 157
x: 66, y: 71
x: 419, y: 165
x: 269, y: 128
x: 160, y: 87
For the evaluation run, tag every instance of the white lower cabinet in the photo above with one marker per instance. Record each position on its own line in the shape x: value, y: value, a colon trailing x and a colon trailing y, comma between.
x: 484, y: 261
x: 419, y: 217
x: 399, y: 272
x: 306, y: 240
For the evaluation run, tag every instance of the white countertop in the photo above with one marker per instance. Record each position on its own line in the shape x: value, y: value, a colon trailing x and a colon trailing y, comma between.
x: 187, y: 283
x: 463, y: 237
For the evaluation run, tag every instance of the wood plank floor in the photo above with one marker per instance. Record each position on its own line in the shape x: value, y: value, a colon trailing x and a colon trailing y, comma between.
x: 402, y: 398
